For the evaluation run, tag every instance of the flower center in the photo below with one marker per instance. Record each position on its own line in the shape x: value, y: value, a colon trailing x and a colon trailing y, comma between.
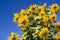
x: 33, y: 8
x: 53, y: 17
x: 24, y: 22
x: 14, y: 38
x: 17, y: 18
x: 44, y: 34
x: 59, y: 39
x: 59, y: 26
x: 40, y: 10
x: 42, y: 14
x: 55, y: 7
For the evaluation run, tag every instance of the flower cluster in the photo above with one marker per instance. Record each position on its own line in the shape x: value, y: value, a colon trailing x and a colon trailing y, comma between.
x: 37, y: 22
x: 13, y: 36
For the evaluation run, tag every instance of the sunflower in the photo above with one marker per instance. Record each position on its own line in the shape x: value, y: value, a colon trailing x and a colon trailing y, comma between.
x: 57, y: 26
x: 23, y: 21
x: 53, y: 17
x: 57, y: 36
x: 42, y: 14
x: 54, y: 8
x: 44, y: 33
x: 23, y: 12
x: 40, y: 8
x: 32, y: 9
x: 16, y: 17
x: 13, y: 36
x: 46, y: 20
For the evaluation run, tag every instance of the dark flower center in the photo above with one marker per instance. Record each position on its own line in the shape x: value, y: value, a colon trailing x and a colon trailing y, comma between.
x: 24, y: 22
x: 40, y: 10
x: 59, y: 39
x: 33, y: 8
x: 44, y: 34
x: 59, y: 26
x: 55, y: 7
x: 42, y: 14
x: 53, y: 17
x: 14, y: 38
x: 17, y: 18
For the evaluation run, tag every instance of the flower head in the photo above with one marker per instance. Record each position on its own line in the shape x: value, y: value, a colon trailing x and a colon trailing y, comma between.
x: 13, y: 36
x: 23, y: 12
x: 57, y: 36
x: 23, y: 21
x: 32, y: 8
x: 40, y: 8
x: 54, y: 8
x: 16, y: 16
x: 42, y: 14
x: 46, y: 20
x: 57, y: 26
x: 44, y: 33
x: 53, y: 17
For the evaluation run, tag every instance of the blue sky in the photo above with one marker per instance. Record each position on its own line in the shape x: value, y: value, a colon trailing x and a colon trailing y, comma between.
x: 7, y: 9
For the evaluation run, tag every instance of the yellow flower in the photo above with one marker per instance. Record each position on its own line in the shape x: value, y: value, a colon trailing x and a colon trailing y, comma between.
x: 40, y: 8
x: 32, y: 8
x: 53, y: 17
x: 57, y: 36
x: 13, y: 36
x: 54, y: 8
x: 10, y: 38
x: 46, y: 20
x: 44, y: 33
x: 57, y: 26
x: 16, y: 36
x: 23, y: 12
x: 16, y: 16
x: 23, y: 21
x: 42, y: 14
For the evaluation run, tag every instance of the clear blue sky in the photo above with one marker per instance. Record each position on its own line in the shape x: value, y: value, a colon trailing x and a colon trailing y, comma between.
x: 7, y: 9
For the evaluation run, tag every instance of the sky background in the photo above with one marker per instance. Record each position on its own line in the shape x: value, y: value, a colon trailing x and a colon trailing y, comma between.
x: 7, y: 9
